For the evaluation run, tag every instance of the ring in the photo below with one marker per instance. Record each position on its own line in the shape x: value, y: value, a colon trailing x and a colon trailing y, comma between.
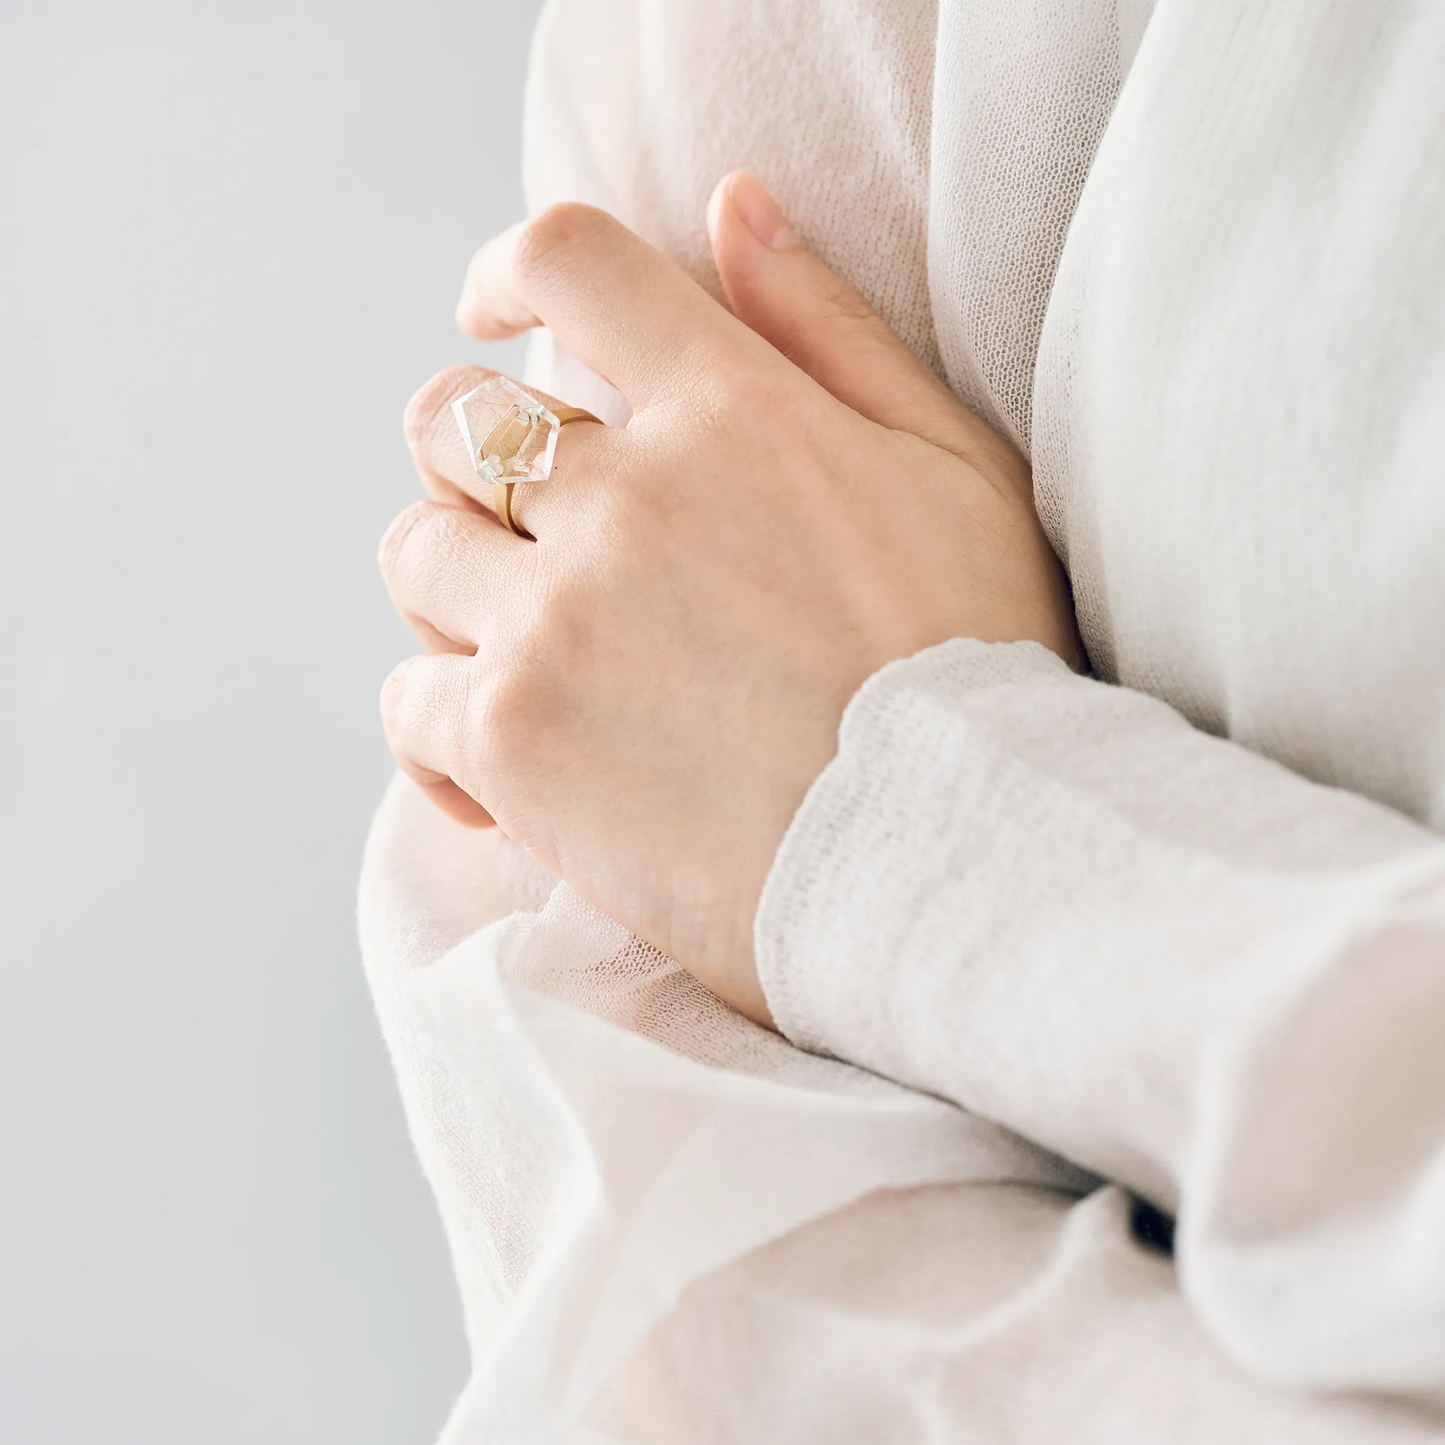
x: 511, y: 437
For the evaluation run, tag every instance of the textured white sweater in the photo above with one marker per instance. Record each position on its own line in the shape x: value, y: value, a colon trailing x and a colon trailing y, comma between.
x: 1182, y: 925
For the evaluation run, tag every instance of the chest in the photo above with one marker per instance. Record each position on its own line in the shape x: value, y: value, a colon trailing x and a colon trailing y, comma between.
x: 1239, y: 399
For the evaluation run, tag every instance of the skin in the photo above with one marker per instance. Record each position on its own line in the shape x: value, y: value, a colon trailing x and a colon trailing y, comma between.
x: 642, y: 697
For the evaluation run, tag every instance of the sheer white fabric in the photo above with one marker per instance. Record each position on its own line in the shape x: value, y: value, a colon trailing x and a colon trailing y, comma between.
x: 1212, y: 307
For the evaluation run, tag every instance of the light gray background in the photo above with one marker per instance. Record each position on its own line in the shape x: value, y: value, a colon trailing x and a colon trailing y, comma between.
x: 233, y: 234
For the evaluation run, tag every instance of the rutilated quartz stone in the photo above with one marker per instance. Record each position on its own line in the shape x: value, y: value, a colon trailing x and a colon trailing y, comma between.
x: 509, y: 435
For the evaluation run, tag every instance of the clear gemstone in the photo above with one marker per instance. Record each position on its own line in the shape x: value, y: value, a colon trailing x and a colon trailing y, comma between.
x: 510, y: 436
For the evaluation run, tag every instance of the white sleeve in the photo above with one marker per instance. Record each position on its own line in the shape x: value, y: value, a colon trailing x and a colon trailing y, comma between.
x: 1056, y: 903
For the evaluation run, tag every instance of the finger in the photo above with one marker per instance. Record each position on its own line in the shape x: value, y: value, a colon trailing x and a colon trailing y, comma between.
x: 423, y: 713
x: 826, y: 326
x: 441, y: 455
x: 448, y: 567
x: 457, y: 805
x: 612, y: 300
x: 433, y: 640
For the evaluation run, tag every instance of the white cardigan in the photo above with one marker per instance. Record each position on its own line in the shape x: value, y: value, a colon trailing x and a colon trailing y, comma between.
x: 1182, y: 925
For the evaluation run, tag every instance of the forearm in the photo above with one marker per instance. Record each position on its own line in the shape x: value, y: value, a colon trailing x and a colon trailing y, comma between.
x: 1169, y: 959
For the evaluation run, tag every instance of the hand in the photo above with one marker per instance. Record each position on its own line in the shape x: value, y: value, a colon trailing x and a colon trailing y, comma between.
x: 642, y: 697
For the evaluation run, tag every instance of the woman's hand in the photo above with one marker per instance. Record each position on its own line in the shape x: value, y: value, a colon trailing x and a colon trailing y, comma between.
x: 642, y: 697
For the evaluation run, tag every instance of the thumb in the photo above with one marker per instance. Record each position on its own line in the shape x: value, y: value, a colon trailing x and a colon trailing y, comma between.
x: 826, y: 326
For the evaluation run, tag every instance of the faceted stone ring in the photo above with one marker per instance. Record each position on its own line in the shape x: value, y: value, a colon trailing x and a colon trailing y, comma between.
x: 511, y: 437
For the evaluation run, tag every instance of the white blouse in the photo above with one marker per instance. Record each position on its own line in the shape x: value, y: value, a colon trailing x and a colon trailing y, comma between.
x: 1177, y: 930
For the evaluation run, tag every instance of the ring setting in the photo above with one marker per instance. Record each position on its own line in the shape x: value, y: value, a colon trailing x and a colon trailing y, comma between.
x: 510, y: 437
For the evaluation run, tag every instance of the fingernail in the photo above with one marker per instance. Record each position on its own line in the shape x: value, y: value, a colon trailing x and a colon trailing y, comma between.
x: 761, y: 214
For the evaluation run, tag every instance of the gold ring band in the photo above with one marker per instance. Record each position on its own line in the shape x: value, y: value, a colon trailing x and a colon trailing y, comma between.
x: 502, y: 491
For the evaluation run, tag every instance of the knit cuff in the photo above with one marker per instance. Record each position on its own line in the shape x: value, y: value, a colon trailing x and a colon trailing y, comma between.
x: 852, y: 848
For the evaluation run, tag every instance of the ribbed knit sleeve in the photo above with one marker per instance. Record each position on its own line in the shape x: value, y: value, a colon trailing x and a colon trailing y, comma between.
x: 1177, y: 963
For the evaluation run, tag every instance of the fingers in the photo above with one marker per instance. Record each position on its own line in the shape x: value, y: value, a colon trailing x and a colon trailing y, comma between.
x: 450, y: 799
x: 433, y: 640
x: 435, y: 443
x: 449, y: 569
x: 826, y: 326
x: 424, y: 708
x: 608, y: 297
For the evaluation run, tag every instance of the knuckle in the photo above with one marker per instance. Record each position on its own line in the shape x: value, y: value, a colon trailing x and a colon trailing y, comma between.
x: 635, y: 518
x: 394, y: 539
x: 842, y: 300
x: 842, y: 318
x: 836, y: 315
x: 426, y: 537
x: 740, y: 392
x: 468, y: 740
x: 500, y: 696
x: 395, y: 694
x: 519, y: 688
x: 553, y: 235
x: 502, y: 713
x: 427, y: 404
x: 427, y: 707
